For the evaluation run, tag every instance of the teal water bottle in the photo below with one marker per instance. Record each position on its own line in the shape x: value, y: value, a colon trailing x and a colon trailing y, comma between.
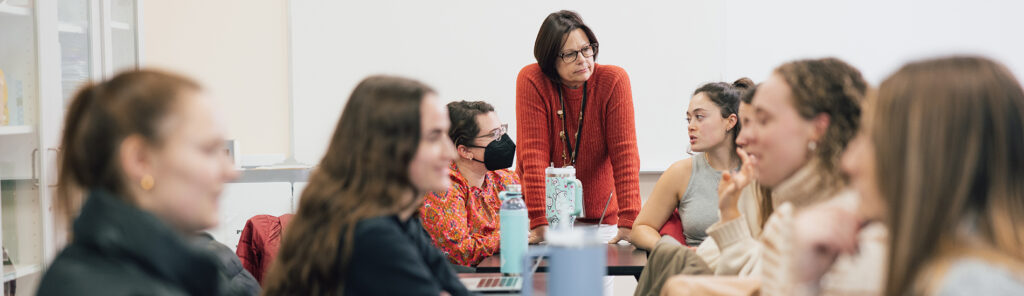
x: 514, y: 229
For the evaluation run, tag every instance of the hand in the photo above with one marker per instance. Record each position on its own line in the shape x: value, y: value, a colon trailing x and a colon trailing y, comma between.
x: 537, y: 234
x: 732, y: 184
x: 822, y: 233
x: 623, y: 235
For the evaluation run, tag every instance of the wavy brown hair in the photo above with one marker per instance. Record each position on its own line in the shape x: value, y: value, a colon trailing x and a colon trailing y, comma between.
x: 948, y: 138
x: 99, y: 118
x: 364, y: 174
x: 833, y: 87
x: 463, y: 117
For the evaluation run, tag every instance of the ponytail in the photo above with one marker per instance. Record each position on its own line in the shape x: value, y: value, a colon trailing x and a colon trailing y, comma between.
x: 99, y: 118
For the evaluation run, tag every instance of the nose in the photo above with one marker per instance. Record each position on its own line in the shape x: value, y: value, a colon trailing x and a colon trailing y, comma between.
x: 580, y: 58
x: 450, y: 152
x: 691, y: 126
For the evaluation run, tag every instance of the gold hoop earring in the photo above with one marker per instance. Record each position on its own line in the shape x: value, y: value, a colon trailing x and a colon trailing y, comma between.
x: 147, y: 182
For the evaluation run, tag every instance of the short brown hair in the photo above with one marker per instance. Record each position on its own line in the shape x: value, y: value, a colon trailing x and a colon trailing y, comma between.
x: 463, y: 116
x: 551, y: 38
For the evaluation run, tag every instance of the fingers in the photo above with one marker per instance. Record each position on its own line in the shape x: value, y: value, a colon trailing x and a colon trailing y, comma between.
x: 746, y: 172
x: 536, y: 235
x: 843, y: 235
x: 744, y: 157
x: 615, y: 240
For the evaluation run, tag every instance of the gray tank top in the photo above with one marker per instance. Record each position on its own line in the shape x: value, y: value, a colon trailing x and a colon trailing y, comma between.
x: 698, y: 208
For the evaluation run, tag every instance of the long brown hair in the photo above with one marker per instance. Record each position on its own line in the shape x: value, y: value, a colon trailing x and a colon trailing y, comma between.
x: 948, y: 135
x: 99, y: 118
x: 364, y: 174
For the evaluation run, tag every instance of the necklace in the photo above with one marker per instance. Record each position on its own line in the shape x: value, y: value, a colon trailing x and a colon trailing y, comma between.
x: 565, y: 127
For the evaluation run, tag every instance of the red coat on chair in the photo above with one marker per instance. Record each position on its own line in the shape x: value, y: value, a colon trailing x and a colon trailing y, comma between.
x: 260, y: 241
x: 673, y: 227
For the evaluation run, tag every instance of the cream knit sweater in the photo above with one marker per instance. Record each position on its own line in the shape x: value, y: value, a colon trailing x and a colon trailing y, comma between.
x: 733, y: 247
x: 742, y: 247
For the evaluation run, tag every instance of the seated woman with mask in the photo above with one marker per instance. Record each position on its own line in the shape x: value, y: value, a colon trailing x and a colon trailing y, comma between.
x: 463, y: 221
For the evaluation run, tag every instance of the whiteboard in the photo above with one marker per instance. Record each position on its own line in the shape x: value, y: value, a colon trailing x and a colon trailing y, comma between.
x: 473, y: 50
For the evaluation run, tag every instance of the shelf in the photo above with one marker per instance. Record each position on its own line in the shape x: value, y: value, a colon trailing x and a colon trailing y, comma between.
x: 120, y: 25
x: 290, y: 174
x: 70, y: 28
x: 14, y: 10
x: 19, y: 270
x: 16, y: 130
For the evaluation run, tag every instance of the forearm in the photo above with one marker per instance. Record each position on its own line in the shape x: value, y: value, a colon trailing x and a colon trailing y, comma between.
x: 644, y: 236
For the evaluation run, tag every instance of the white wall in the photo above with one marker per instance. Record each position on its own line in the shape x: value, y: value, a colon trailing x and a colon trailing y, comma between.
x: 876, y: 36
x: 238, y: 50
x: 474, y: 49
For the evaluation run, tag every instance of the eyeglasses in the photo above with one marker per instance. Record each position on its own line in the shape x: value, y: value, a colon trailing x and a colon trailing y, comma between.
x: 587, y: 51
x: 496, y: 134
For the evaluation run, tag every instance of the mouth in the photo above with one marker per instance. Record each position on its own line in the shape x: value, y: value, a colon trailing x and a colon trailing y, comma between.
x: 581, y: 71
x: 693, y: 139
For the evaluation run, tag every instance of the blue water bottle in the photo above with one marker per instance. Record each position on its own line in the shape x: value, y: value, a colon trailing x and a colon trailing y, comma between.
x: 514, y: 229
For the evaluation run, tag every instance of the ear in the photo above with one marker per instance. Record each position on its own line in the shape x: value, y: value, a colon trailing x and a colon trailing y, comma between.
x: 731, y: 122
x: 134, y: 157
x: 464, y: 152
x: 819, y: 125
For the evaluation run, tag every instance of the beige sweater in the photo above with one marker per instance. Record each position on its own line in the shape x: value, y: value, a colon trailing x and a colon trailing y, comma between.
x: 851, y: 274
x: 860, y: 274
x: 732, y: 247
x: 741, y: 249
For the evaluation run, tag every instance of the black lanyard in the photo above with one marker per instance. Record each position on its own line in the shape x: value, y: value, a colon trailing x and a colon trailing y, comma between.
x: 565, y: 126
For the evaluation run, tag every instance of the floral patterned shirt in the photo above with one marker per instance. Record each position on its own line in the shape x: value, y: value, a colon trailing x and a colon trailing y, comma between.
x: 463, y: 221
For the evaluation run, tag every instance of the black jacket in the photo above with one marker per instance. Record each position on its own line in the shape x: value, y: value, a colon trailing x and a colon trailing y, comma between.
x: 119, y: 249
x: 235, y: 280
x: 391, y: 257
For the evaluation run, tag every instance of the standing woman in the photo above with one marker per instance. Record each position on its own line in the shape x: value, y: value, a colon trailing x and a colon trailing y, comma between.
x: 571, y: 111
x: 356, y: 231
x: 146, y: 153
x: 691, y: 185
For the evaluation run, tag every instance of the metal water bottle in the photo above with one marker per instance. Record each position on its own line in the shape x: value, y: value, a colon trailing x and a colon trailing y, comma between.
x: 514, y: 229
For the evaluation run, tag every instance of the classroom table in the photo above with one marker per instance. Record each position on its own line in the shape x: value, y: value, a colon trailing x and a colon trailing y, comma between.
x: 623, y: 259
